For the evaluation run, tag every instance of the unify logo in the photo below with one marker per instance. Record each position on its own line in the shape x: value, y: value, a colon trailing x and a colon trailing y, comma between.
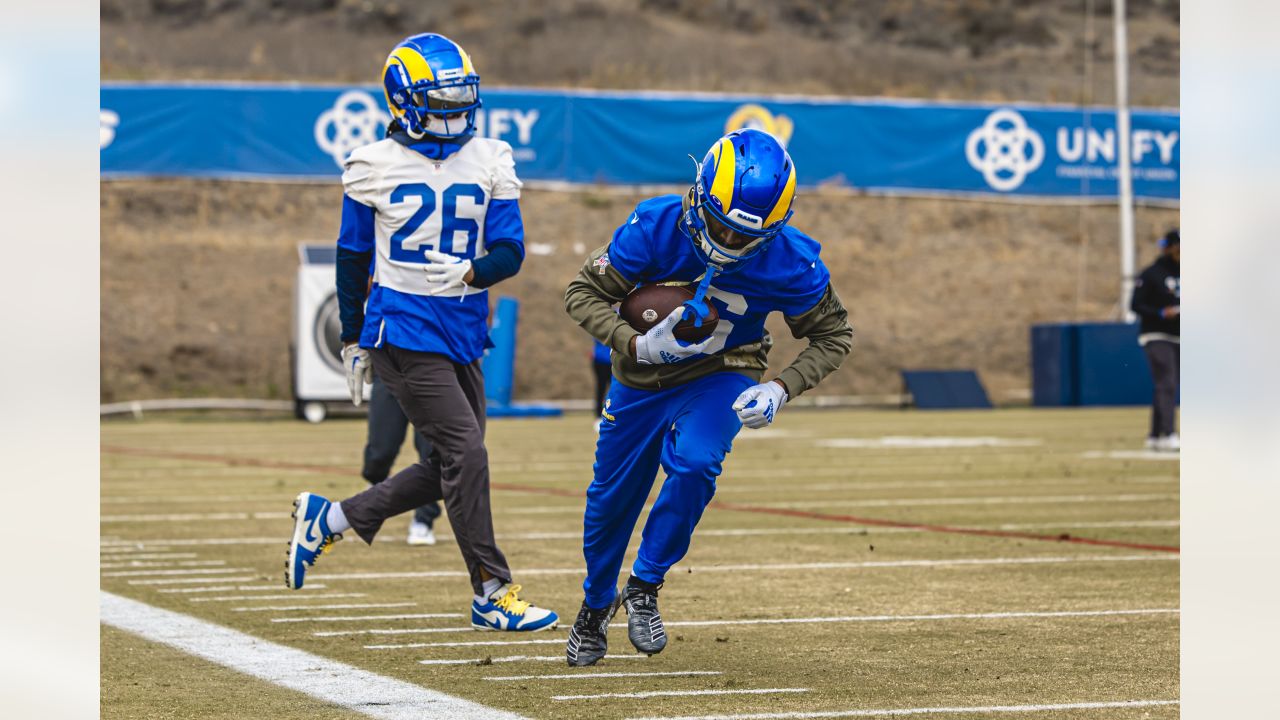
x: 108, y: 120
x: 1004, y: 150
x: 356, y: 119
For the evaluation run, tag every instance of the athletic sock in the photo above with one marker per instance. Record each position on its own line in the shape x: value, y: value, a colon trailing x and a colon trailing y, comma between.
x: 491, y: 586
x: 336, y: 520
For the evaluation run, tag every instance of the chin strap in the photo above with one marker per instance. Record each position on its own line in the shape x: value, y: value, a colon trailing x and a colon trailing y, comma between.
x: 698, y: 304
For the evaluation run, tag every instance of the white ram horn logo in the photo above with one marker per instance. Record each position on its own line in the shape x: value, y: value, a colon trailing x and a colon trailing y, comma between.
x: 1004, y: 150
x: 108, y: 120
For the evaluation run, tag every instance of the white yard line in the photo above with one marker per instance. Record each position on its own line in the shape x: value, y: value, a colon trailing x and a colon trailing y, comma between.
x: 591, y: 675
x: 182, y: 581
x: 682, y: 693
x: 289, y: 608
x: 796, y: 620
x: 325, y: 680
x: 161, y: 564
x: 895, y: 712
x: 243, y: 588
x: 145, y: 556
x: 191, y: 517
x: 475, y: 643
x: 291, y: 596
x: 353, y: 618
x: 139, y: 573
x: 1129, y: 455
x: 885, y: 564
x: 994, y: 500
x: 521, y: 658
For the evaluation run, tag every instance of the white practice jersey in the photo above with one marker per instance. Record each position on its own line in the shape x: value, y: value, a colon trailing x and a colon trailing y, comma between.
x: 423, y: 204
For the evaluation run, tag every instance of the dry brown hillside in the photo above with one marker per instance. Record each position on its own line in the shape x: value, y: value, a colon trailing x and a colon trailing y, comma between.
x: 196, y: 275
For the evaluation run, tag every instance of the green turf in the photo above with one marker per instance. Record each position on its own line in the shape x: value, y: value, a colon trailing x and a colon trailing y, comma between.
x: 154, y: 470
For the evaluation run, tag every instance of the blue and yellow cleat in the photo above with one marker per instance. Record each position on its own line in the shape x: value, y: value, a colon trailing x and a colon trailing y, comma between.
x: 504, y: 610
x: 311, y: 537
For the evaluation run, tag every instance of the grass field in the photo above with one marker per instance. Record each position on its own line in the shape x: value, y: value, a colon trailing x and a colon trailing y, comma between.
x: 1014, y: 563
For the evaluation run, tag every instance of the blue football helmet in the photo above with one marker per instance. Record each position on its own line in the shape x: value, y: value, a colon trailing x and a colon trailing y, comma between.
x: 432, y: 88
x: 741, y: 197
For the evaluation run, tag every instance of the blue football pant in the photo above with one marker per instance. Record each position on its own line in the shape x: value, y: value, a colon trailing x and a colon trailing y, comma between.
x: 688, y: 430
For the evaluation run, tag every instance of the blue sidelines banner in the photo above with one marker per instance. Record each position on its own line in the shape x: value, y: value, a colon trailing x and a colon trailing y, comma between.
x: 296, y: 132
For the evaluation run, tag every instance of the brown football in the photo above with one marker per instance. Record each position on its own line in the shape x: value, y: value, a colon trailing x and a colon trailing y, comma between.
x: 647, y: 305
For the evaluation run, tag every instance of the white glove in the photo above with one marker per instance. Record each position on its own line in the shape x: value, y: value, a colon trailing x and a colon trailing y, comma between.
x: 757, y: 405
x: 445, y: 271
x: 659, y: 346
x: 359, y: 371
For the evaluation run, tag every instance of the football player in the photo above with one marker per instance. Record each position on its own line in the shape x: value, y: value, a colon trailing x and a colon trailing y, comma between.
x: 437, y: 210
x: 680, y: 405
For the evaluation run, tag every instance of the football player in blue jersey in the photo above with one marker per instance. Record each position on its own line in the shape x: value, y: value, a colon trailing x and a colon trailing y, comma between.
x: 436, y: 209
x: 679, y: 405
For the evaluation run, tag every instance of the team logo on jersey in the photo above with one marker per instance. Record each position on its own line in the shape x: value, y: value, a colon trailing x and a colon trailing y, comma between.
x: 356, y: 119
x: 757, y: 117
x: 1004, y: 150
x: 108, y: 120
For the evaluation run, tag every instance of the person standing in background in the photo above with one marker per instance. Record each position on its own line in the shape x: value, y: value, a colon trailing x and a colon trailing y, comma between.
x: 1157, y: 299
x: 387, y: 424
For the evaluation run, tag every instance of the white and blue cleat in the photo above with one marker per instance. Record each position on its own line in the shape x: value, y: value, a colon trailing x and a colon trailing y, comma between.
x: 504, y: 610
x: 311, y: 537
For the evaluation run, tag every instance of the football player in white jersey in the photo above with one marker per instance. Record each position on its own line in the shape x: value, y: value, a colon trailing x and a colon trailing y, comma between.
x: 437, y: 211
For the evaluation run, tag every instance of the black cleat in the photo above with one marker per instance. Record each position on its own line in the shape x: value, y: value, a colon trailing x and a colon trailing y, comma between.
x: 587, y: 640
x: 644, y: 624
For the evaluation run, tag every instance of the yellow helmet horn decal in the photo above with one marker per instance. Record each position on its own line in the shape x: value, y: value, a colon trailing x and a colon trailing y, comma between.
x: 784, y: 200
x: 726, y: 162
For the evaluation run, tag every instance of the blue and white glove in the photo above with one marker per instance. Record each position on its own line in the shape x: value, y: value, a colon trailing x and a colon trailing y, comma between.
x: 445, y: 271
x: 659, y: 346
x: 359, y: 371
x: 757, y: 405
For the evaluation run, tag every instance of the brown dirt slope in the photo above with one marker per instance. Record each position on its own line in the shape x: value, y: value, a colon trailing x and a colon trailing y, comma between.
x: 197, y: 276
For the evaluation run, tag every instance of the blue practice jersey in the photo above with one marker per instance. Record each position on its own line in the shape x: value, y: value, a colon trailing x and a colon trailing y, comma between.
x: 787, y: 276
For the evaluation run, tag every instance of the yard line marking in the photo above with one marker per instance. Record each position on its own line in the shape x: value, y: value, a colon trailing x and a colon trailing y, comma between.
x: 588, y: 676
x: 326, y: 680
x: 349, y: 618
x: 165, y: 563
x: 179, y: 581
x: 928, y: 527
x: 900, y: 442
x: 521, y: 658
x: 144, y: 556
x: 229, y: 588
x: 681, y: 693
x: 137, y: 573
x: 1129, y: 455
x: 288, y: 608
x: 476, y: 643
x: 721, y: 505
x: 769, y: 621
x: 924, y: 711
x: 993, y: 500
x: 915, y: 618
x: 191, y: 517
x: 882, y: 564
x: 275, y: 597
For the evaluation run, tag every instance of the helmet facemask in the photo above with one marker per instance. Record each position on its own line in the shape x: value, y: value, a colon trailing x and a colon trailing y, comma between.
x: 446, y: 112
x: 720, y: 239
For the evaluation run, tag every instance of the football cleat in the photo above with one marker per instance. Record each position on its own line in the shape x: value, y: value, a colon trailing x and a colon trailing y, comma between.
x: 311, y: 537
x: 588, y: 639
x: 421, y: 534
x: 644, y: 624
x: 504, y: 610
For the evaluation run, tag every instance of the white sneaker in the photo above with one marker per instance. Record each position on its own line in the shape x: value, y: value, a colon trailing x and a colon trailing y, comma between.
x: 1153, y: 443
x: 1169, y: 443
x: 421, y: 534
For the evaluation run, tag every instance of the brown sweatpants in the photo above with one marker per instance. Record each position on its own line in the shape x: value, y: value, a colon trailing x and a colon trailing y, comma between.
x: 445, y: 402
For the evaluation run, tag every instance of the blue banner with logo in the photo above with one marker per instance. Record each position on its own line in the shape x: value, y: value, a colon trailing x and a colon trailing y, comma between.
x: 275, y: 132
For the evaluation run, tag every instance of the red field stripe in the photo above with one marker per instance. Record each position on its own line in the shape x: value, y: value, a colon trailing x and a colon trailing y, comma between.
x: 719, y: 504
x: 1064, y: 537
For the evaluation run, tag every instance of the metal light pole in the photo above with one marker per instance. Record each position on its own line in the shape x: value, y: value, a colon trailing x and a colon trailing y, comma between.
x: 1125, y: 179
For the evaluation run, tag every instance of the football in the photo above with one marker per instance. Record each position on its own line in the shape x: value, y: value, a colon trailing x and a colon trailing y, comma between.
x: 647, y: 305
